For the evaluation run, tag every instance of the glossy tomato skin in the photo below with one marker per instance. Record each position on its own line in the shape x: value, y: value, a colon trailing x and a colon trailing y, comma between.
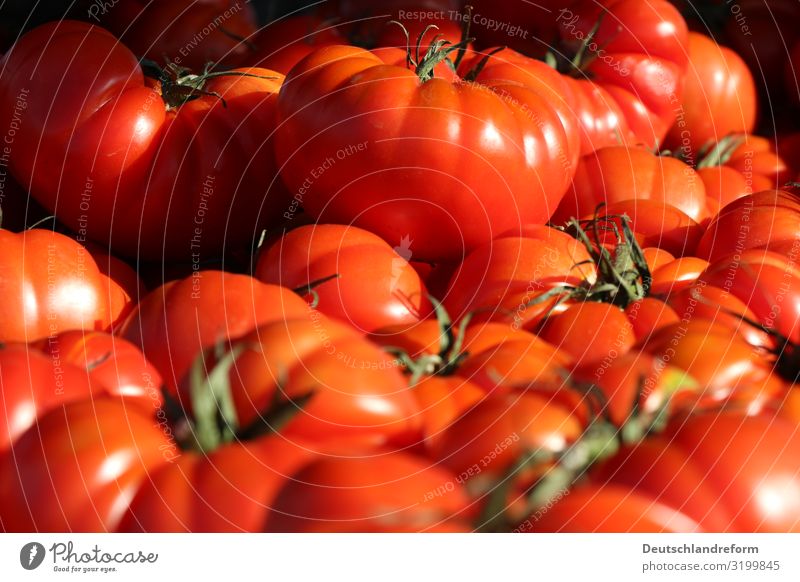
x: 114, y: 365
x: 105, y: 446
x: 730, y: 471
x: 767, y: 282
x: 375, y: 286
x: 626, y: 92
x: 170, y: 28
x: 590, y: 331
x: 118, y: 165
x: 175, y: 323
x: 51, y: 284
x: 376, y: 492
x: 719, y: 97
x: 760, y: 221
x: 500, y: 280
x: 382, y: 143
x: 727, y: 368
x: 676, y: 275
x: 608, y: 509
x: 230, y: 490
x: 280, y: 45
x: 34, y: 384
x: 615, y: 174
x: 354, y: 393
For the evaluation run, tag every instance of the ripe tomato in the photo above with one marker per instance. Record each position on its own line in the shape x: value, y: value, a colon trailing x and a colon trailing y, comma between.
x: 626, y: 76
x: 615, y: 174
x: 767, y: 282
x: 730, y: 472
x: 157, y: 168
x: 658, y: 224
x: 280, y: 45
x: 189, y: 33
x: 103, y: 445
x: 764, y: 220
x: 353, y: 392
x: 228, y: 490
x: 498, y: 281
x: 52, y: 284
x: 376, y: 492
x: 361, y: 141
x: 728, y: 369
x: 719, y: 97
x: 607, y: 509
x: 175, y: 323
x: 373, y: 287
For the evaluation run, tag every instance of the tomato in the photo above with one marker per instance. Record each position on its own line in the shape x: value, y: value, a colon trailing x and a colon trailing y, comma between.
x: 728, y: 471
x: 354, y: 392
x: 175, y: 323
x: 636, y: 386
x: 719, y: 97
x: 590, y: 331
x: 103, y: 445
x: 728, y: 369
x: 767, y: 282
x: 626, y: 78
x: 659, y: 224
x: 156, y: 168
x: 442, y: 400
x: 609, y: 509
x: 280, y: 45
x: 499, y: 280
x: 115, y: 366
x: 676, y: 275
x: 615, y: 174
x: 377, y: 492
x: 760, y: 221
x: 188, y: 33
x: 648, y: 315
x: 373, y: 287
x: 52, y: 284
x: 473, y: 163
x: 229, y: 490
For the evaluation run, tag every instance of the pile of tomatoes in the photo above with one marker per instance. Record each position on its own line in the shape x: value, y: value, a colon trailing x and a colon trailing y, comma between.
x: 499, y: 267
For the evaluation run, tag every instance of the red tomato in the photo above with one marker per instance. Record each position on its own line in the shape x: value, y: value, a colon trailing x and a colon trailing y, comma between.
x: 187, y: 32
x: 730, y: 472
x: 359, y: 149
x: 760, y: 221
x: 356, y: 394
x: 376, y: 492
x: 141, y: 164
x: 175, y: 323
x: 115, y: 366
x: 615, y: 174
x: 676, y: 275
x: 374, y: 285
x: 590, y: 331
x: 608, y: 509
x: 281, y: 44
x: 52, y: 284
x: 631, y: 71
x: 229, y: 490
x: 719, y: 97
x: 499, y: 281
x: 658, y: 223
x: 79, y: 467
x: 728, y: 369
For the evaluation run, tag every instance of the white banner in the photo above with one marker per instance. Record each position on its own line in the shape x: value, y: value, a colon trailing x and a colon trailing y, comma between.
x: 401, y: 557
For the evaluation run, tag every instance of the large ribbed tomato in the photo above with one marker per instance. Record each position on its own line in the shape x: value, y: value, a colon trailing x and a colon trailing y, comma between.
x: 175, y: 323
x: 447, y: 164
x: 50, y: 284
x: 356, y: 276
x: 159, y: 169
